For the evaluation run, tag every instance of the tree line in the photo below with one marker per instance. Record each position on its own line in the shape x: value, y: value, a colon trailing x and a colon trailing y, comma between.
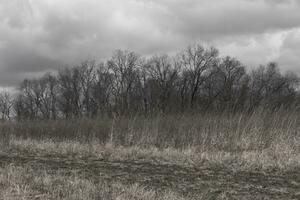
x: 196, y: 79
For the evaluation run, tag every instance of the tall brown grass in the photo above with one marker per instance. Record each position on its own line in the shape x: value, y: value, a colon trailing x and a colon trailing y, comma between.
x: 210, y: 131
x: 261, y: 140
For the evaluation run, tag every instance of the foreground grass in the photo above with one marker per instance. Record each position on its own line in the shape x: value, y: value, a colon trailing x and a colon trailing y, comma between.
x: 68, y: 170
x: 245, y: 152
x: 27, y: 184
x: 279, y: 156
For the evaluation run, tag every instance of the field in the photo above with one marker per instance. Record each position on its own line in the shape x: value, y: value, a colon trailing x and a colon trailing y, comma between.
x: 207, y: 156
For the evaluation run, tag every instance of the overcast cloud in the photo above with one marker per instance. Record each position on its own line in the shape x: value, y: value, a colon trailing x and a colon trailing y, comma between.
x: 44, y: 35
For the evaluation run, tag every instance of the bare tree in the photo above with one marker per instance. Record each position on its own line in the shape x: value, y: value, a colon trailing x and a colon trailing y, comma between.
x: 269, y: 86
x: 124, y: 66
x: 48, y: 95
x: 197, y: 78
x: 163, y: 75
x: 6, y: 103
x: 197, y: 61
x: 87, y: 78
x: 101, y: 91
x: 70, y: 98
x: 229, y: 78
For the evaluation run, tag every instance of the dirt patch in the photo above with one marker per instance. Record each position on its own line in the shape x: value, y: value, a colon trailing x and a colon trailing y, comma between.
x: 186, y: 180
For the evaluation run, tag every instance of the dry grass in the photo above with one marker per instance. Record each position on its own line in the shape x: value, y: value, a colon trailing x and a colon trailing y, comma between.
x: 261, y: 141
x: 279, y: 156
x: 27, y: 184
x: 210, y: 131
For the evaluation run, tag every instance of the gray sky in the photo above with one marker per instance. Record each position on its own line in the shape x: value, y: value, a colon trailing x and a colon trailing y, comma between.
x: 44, y: 35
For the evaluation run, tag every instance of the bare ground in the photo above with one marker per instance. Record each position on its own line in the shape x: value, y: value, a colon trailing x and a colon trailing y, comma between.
x: 189, y: 181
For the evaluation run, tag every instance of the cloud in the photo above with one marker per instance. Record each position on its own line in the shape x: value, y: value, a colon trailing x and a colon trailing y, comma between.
x: 281, y: 47
x: 38, y: 36
x: 290, y: 51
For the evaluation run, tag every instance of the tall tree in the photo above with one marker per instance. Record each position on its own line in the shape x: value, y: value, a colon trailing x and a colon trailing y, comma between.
x: 197, y: 62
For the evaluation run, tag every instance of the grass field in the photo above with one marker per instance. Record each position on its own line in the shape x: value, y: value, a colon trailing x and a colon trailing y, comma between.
x: 209, y: 156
